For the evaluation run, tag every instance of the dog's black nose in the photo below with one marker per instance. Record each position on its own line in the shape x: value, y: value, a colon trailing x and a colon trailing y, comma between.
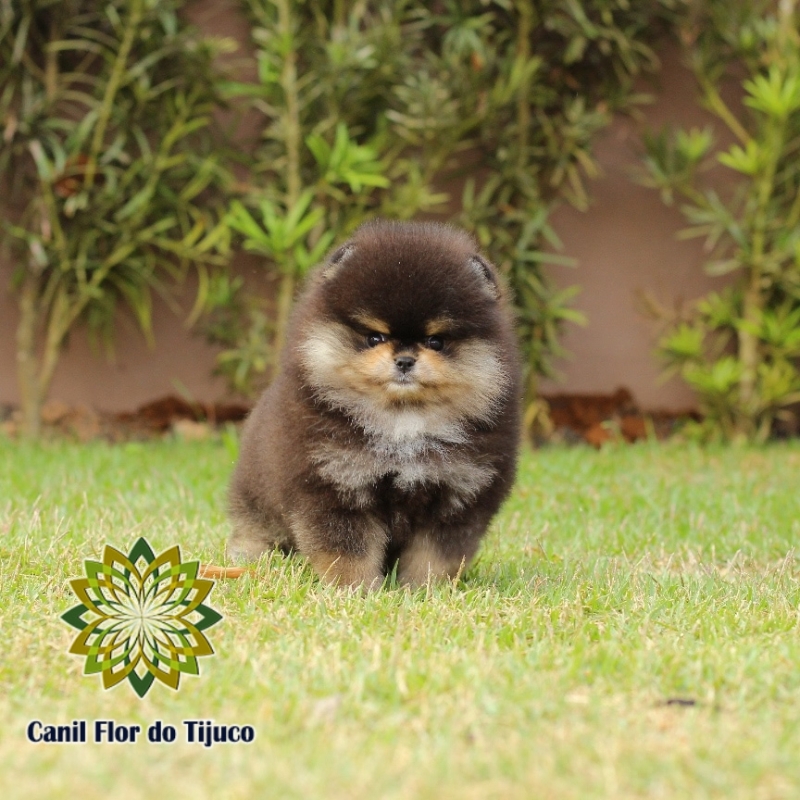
x: 404, y: 363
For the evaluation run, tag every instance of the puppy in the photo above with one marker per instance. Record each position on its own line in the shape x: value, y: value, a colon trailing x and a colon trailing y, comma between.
x: 390, y: 435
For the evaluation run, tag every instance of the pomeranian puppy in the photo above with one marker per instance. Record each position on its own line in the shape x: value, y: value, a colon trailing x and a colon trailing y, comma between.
x: 389, y: 437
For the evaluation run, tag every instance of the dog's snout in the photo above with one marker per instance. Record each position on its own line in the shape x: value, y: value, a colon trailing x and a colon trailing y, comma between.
x: 405, y: 363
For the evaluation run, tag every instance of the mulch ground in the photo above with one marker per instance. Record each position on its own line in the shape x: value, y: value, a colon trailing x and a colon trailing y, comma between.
x: 591, y: 418
x: 167, y: 416
x: 600, y: 418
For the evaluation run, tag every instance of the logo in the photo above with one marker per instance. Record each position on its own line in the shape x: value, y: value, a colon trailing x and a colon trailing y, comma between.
x: 141, y: 617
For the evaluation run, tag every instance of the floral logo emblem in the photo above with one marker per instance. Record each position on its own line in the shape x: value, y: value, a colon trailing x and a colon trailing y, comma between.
x: 141, y: 617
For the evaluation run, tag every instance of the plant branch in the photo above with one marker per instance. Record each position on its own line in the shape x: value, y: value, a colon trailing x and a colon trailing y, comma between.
x: 112, y: 86
x: 717, y: 105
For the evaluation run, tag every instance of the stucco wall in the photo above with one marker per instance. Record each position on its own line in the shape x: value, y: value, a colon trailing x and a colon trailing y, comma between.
x: 624, y: 243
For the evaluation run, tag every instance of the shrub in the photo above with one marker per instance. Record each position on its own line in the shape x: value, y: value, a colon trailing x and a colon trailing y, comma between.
x: 739, y: 348
x: 482, y: 112
x: 106, y: 109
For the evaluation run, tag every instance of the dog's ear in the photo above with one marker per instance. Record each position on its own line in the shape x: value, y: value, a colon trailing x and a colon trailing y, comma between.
x: 337, y: 260
x: 485, y: 272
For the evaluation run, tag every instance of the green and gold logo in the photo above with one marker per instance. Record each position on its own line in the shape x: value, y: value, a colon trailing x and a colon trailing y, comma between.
x: 141, y: 617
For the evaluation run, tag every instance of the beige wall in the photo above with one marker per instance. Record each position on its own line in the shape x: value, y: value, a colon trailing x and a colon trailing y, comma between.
x: 625, y: 242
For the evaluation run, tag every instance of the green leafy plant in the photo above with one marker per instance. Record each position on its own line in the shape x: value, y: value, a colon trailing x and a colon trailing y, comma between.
x: 108, y: 155
x: 515, y: 93
x: 317, y: 171
x: 240, y: 323
x: 479, y: 112
x: 739, y: 348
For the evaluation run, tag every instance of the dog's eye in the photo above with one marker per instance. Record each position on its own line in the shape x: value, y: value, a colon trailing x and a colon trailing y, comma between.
x: 374, y: 339
x: 434, y: 342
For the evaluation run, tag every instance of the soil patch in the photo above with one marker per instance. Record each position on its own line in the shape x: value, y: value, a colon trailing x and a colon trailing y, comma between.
x: 592, y: 418
x: 600, y: 418
x: 168, y: 415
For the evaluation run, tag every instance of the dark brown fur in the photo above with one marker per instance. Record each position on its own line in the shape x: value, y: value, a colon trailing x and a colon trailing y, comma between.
x: 356, y: 465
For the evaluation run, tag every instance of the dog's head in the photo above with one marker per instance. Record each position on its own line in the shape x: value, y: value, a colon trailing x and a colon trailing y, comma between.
x: 408, y: 321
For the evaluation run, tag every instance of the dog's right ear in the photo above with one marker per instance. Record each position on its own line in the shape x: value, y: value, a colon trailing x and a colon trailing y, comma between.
x: 337, y: 260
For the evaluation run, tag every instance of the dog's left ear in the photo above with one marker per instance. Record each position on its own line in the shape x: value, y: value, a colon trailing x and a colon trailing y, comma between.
x: 337, y: 260
x: 484, y: 271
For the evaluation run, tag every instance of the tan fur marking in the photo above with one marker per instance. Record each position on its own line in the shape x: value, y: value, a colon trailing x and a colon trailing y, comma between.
x: 248, y: 540
x: 341, y: 570
x: 440, y: 393
x: 438, y: 326
x: 422, y: 563
x: 372, y: 323
x: 371, y: 365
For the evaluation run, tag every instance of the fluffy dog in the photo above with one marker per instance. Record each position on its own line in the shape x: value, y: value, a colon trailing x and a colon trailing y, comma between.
x: 390, y: 435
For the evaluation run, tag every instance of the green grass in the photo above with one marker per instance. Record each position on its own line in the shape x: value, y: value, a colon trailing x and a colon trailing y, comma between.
x: 612, y: 582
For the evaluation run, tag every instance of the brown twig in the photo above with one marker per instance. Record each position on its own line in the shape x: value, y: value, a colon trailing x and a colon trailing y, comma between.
x: 216, y: 572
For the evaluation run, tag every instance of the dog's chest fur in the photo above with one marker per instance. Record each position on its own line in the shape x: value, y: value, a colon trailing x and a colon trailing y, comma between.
x: 362, y: 470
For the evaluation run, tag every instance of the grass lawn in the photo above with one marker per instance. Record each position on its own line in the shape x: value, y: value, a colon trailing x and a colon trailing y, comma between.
x: 612, y: 583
